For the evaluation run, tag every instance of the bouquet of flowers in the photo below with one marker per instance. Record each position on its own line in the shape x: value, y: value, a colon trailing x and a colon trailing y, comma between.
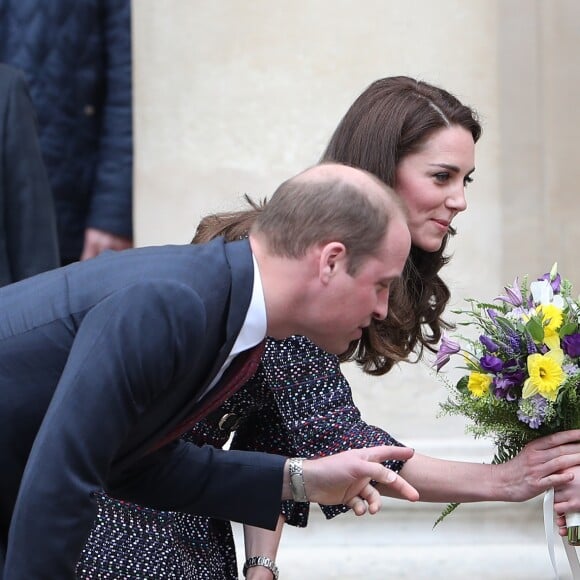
x: 523, y: 369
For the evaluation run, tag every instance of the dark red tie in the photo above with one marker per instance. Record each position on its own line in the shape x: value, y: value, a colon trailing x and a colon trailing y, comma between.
x: 240, y: 371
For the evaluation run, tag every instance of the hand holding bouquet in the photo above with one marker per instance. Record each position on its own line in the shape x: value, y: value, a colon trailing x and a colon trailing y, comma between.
x: 523, y: 379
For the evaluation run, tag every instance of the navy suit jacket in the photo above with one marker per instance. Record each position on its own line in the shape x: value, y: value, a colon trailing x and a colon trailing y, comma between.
x: 98, y: 361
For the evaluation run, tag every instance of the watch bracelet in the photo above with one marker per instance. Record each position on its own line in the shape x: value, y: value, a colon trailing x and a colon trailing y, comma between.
x: 261, y: 561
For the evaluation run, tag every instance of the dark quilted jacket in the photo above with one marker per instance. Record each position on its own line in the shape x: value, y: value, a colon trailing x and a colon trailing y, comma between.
x: 76, y: 55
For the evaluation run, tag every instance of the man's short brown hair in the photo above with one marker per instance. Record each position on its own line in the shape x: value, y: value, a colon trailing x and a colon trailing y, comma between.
x: 320, y: 205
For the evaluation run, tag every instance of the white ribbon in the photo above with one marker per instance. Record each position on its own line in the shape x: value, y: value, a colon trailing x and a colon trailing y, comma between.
x: 549, y: 529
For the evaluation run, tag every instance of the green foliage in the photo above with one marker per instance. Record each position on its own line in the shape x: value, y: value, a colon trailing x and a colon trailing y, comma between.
x: 489, y: 416
x: 568, y: 328
x: 535, y: 328
x: 567, y: 408
x: 448, y: 509
x: 566, y: 288
x: 462, y: 385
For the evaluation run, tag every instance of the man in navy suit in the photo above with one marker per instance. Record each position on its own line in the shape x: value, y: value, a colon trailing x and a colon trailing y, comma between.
x: 104, y: 363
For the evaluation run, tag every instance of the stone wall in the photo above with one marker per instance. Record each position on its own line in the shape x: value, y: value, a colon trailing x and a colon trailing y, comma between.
x: 232, y: 97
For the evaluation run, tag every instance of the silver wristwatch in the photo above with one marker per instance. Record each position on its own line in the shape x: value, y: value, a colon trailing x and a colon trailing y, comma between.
x: 297, y: 479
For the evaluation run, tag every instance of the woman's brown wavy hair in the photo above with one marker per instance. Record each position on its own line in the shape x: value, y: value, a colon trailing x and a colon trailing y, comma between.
x: 232, y: 225
x: 391, y: 119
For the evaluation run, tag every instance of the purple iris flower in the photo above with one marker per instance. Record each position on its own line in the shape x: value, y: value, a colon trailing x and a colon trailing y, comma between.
x: 571, y: 345
x: 556, y: 283
x: 446, y: 349
x: 513, y: 294
x: 514, y: 371
x: 491, y: 364
x: 507, y: 385
x: 488, y: 343
x: 517, y: 377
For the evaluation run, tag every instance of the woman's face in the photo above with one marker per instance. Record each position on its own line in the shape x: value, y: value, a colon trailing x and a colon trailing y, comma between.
x: 432, y: 184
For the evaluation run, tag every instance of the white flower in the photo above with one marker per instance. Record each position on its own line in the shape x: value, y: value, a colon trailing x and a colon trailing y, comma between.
x: 542, y: 293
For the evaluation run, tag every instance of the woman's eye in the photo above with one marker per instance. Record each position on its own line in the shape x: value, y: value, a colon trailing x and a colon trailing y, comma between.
x: 442, y: 177
x: 467, y: 181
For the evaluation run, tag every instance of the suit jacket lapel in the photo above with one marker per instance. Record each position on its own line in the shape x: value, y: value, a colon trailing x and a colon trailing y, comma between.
x: 239, y: 259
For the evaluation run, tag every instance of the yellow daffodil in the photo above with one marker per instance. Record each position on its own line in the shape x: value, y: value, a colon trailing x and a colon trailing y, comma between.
x: 478, y: 384
x: 552, y: 319
x: 546, y: 374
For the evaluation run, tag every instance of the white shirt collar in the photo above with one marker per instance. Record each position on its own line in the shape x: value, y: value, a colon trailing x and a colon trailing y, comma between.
x: 254, y: 327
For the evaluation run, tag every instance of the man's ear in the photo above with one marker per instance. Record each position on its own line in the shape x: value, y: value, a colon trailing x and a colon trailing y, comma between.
x: 332, y: 259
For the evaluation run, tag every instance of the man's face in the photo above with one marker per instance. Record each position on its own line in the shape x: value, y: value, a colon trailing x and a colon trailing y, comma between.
x: 349, y: 303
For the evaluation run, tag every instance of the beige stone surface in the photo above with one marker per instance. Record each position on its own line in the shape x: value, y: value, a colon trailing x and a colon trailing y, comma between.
x: 540, y: 118
x: 234, y: 96
x: 477, y: 542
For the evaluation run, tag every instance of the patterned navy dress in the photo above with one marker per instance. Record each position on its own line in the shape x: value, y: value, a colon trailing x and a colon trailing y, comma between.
x: 297, y: 404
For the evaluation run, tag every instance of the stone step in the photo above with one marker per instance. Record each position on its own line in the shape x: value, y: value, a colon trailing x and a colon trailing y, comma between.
x: 479, y: 541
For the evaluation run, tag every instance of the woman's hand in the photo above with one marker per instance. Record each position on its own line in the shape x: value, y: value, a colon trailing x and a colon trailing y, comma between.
x: 567, y: 498
x: 541, y: 465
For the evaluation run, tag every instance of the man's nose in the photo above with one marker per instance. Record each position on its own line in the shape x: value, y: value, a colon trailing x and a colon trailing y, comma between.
x: 381, y: 309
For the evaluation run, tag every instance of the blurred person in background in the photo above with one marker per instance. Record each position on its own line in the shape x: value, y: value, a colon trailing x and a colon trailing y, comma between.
x: 76, y: 56
x: 28, y: 243
x: 420, y: 140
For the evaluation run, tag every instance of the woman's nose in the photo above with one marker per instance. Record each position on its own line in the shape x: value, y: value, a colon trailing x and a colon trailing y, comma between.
x: 457, y: 200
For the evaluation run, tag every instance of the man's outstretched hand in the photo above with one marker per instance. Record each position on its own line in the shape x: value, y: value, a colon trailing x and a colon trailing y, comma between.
x: 345, y: 478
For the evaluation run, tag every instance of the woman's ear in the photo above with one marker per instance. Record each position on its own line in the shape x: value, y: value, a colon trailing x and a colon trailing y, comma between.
x: 332, y: 260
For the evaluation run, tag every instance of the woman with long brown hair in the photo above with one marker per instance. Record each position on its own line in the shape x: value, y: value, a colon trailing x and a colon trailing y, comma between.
x: 420, y: 140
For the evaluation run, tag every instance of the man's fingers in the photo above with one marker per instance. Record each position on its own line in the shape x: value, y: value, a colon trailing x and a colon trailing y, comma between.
x: 399, y: 486
x: 368, y: 499
x: 372, y: 497
x: 358, y: 505
x: 386, y: 452
x: 336, y: 478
